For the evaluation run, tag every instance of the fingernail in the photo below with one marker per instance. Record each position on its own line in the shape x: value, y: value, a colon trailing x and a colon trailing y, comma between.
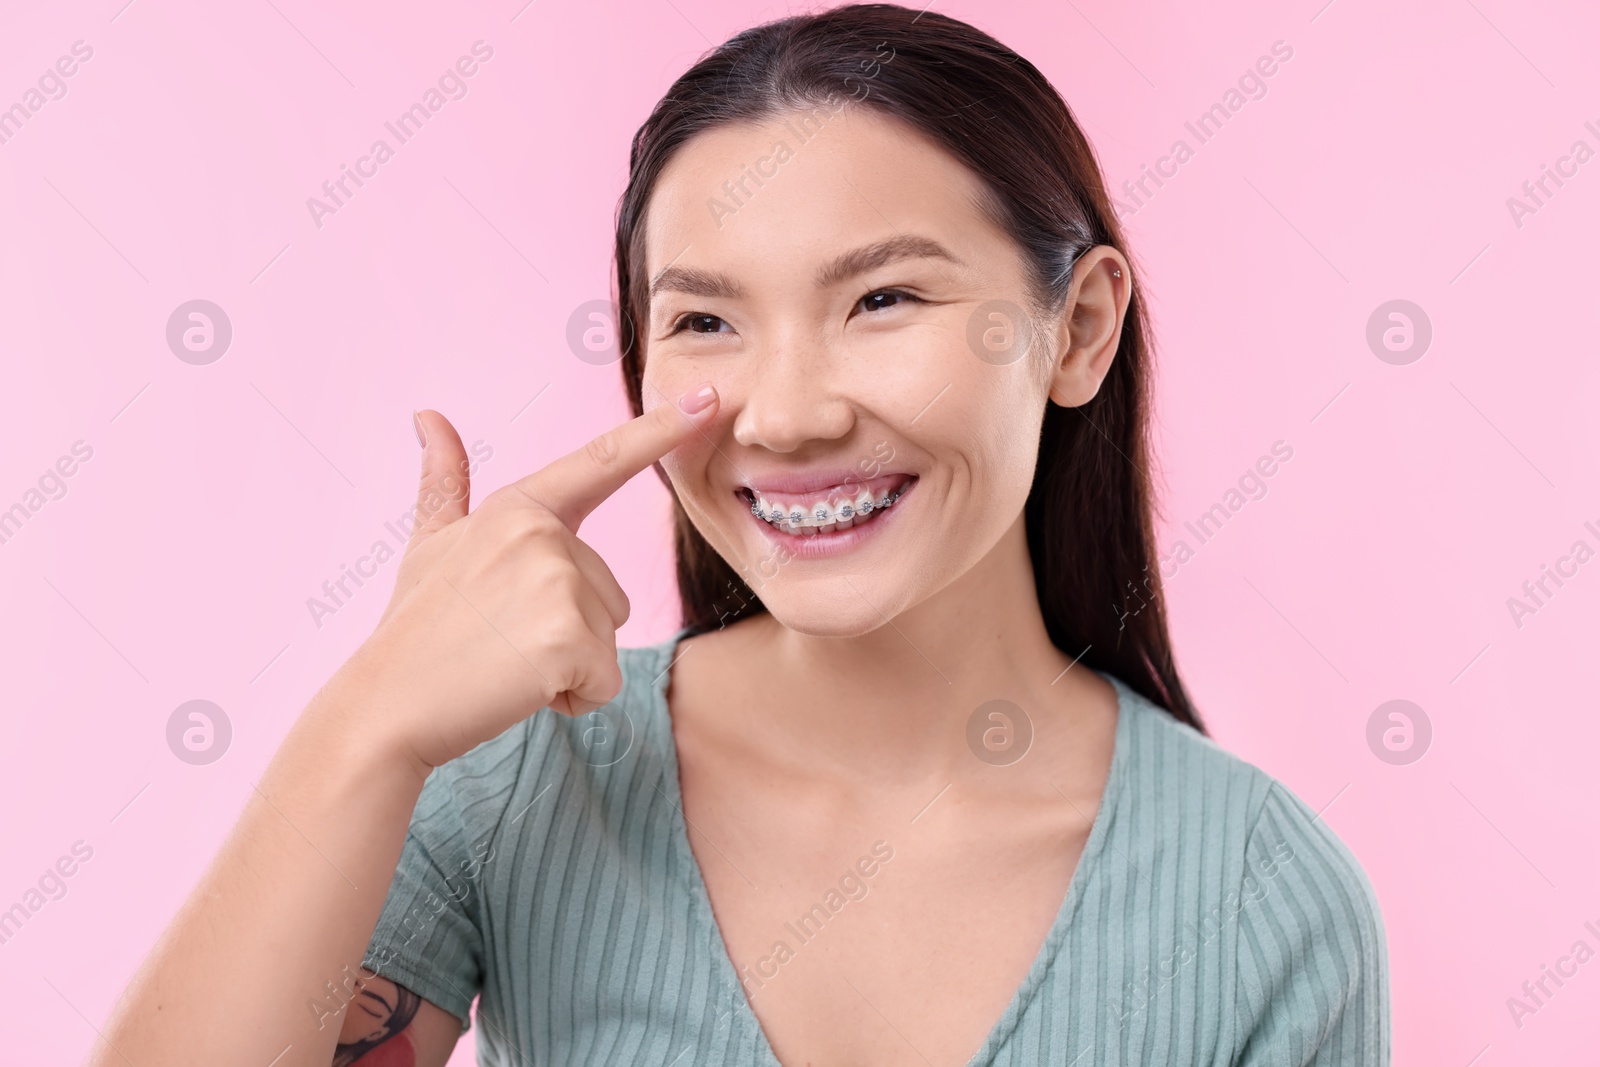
x: 416, y: 424
x: 697, y: 401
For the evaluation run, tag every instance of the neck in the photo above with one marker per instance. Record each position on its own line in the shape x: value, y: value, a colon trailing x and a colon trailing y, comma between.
x: 895, y: 703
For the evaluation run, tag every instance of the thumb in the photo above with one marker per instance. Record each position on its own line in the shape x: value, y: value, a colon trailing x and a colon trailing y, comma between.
x: 444, y: 488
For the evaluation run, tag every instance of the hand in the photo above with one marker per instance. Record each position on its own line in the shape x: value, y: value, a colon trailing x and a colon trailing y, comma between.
x: 501, y: 612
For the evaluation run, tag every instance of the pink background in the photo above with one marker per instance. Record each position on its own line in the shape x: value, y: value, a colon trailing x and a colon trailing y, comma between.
x: 220, y: 497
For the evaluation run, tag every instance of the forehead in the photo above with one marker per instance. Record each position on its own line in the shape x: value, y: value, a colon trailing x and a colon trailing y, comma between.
x: 795, y: 188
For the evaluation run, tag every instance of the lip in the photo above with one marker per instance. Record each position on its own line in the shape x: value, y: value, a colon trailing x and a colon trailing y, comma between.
x: 810, y: 481
x: 825, y: 545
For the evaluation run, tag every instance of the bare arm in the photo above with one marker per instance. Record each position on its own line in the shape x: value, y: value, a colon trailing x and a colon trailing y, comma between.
x: 264, y: 956
x: 390, y: 1025
x: 495, y: 615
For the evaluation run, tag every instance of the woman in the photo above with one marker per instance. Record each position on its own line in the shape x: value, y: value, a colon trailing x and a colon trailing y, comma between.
x: 917, y: 780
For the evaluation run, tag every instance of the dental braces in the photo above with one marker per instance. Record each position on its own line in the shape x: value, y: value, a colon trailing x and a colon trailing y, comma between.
x: 823, y: 515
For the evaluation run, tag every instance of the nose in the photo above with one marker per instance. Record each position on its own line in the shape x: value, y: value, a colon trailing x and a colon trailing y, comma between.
x: 792, y: 395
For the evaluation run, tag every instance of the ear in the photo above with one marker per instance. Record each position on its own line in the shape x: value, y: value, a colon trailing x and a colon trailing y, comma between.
x: 1090, y: 325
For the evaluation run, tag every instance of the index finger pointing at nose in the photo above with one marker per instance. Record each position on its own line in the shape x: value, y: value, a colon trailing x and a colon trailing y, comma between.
x: 581, y: 480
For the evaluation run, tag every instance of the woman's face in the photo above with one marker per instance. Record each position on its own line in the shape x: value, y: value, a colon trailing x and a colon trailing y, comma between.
x: 843, y: 309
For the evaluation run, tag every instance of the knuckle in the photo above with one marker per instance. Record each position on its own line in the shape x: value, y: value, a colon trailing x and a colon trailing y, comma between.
x: 514, y: 516
x: 568, y: 586
x: 537, y: 524
x: 495, y: 502
x: 604, y: 450
x: 612, y: 684
x: 566, y: 636
x: 511, y: 497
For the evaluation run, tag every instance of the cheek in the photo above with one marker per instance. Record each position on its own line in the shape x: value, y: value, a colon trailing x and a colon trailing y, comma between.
x: 937, y: 359
x: 674, y: 467
x: 668, y: 375
x: 685, y: 466
x: 662, y: 379
x: 989, y: 437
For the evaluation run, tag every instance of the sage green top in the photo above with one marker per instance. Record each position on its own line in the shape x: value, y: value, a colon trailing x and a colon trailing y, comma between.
x: 1213, y: 918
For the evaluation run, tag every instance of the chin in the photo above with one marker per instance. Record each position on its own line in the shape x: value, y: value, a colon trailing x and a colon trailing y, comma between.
x: 826, y: 612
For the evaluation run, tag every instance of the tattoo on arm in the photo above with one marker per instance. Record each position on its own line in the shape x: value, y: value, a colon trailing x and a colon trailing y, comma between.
x: 374, y: 1023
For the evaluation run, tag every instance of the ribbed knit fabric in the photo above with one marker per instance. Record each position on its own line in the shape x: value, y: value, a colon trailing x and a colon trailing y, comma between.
x: 1212, y: 919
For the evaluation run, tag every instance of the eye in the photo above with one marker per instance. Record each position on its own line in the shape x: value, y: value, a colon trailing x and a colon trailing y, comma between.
x: 884, y: 299
x: 697, y: 322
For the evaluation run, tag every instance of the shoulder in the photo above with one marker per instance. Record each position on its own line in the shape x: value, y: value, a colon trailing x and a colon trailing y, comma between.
x: 1189, y: 783
x: 1273, y: 882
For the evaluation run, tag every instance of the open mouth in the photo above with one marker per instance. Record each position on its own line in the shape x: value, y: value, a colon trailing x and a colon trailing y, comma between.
x: 832, y: 510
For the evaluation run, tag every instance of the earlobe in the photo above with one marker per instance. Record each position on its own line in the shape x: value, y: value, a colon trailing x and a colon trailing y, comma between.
x: 1079, y: 373
x: 1072, y: 386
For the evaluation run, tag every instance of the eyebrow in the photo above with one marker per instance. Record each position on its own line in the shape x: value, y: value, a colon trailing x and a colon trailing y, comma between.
x: 696, y: 282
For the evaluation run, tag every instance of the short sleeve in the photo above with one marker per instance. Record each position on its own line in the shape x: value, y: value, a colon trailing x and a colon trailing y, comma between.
x: 429, y: 934
x: 1313, y: 981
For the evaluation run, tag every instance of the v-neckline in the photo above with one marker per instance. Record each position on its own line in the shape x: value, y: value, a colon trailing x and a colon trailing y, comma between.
x: 727, y: 976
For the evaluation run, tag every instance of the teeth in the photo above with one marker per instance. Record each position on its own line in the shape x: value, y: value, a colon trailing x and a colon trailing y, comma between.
x: 831, y: 514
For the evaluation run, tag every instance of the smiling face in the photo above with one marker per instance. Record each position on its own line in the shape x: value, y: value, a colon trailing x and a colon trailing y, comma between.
x: 828, y: 281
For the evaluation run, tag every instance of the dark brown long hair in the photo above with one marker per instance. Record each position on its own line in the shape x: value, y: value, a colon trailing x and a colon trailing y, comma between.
x: 1089, y: 512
